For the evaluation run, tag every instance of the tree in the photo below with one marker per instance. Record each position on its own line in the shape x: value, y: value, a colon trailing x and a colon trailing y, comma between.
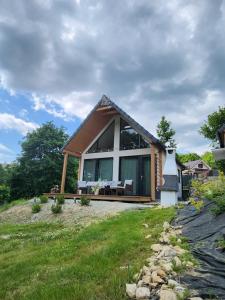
x: 184, y: 158
x: 213, y: 123
x: 209, y: 130
x: 209, y: 159
x: 41, y: 161
x: 166, y: 133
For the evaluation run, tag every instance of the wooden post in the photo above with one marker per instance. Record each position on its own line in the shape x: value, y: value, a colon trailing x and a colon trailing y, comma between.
x: 79, y: 169
x: 160, y: 169
x: 152, y: 172
x: 64, y: 173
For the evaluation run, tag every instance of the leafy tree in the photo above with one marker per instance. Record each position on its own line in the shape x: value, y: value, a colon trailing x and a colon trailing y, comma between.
x: 41, y: 161
x: 166, y: 133
x: 209, y: 131
x: 213, y: 123
x: 209, y: 159
x: 184, y: 158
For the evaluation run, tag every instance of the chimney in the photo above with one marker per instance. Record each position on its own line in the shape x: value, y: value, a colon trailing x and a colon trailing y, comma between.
x: 169, y: 188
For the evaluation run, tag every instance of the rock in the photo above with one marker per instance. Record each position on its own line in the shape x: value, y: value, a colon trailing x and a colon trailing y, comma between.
x: 180, y: 290
x: 179, y: 250
x: 172, y: 282
x: 179, y: 241
x: 156, y: 247
x: 131, y: 290
x: 142, y: 293
x: 164, y: 238
x: 167, y: 267
x: 140, y: 283
x: 167, y: 295
x: 156, y: 278
x: 166, y: 226
x: 196, y: 298
x: 146, y: 279
x: 145, y: 225
x: 148, y: 236
x: 167, y: 252
x: 177, y: 261
x: 161, y: 273
x: 189, y: 264
x: 146, y: 271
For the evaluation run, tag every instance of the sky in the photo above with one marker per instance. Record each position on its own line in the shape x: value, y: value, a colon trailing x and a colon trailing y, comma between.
x: 152, y: 58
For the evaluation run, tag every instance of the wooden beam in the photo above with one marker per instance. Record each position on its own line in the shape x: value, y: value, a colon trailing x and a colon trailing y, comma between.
x: 160, y: 168
x: 111, y: 112
x: 104, y: 108
x: 76, y: 154
x: 64, y: 173
x: 79, y: 169
x: 153, y: 172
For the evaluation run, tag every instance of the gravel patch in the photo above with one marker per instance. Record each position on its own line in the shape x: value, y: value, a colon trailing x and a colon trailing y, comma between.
x: 73, y: 213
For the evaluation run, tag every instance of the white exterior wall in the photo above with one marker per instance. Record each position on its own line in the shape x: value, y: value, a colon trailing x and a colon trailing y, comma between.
x: 115, y: 154
x: 178, y: 167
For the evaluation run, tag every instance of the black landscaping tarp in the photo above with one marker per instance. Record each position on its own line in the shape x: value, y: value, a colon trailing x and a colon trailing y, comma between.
x: 203, y: 230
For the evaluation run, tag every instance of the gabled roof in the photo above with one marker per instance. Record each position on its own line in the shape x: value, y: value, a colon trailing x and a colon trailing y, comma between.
x: 96, y: 121
x: 221, y: 136
x: 194, y: 164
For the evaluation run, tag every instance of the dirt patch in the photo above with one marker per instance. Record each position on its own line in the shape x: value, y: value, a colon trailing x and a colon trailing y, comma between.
x: 73, y: 213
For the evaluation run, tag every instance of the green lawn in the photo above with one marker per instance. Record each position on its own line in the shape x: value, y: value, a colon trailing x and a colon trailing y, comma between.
x: 42, y: 261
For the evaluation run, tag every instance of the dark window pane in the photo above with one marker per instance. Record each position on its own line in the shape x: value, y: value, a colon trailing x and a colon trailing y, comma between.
x: 105, y: 142
x: 98, y: 169
x: 89, y: 170
x: 129, y: 138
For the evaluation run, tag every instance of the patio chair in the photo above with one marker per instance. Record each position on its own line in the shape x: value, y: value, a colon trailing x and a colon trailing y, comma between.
x: 127, y: 187
x: 82, y: 186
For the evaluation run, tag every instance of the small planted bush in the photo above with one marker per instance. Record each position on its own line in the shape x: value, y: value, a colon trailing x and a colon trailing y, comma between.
x: 43, y: 199
x: 219, y: 205
x: 56, y: 208
x: 84, y: 200
x: 60, y: 199
x: 36, y: 208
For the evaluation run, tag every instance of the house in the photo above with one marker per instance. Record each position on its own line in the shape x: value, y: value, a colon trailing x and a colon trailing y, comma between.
x: 110, y: 145
x: 219, y: 154
x: 197, y: 168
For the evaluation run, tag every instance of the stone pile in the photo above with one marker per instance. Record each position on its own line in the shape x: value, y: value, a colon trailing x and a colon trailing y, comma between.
x: 158, y: 278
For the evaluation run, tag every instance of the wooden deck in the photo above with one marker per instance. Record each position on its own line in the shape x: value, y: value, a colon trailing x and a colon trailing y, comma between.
x: 139, y: 199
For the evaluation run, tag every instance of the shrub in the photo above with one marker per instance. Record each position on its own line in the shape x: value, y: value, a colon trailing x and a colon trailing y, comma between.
x: 36, y: 208
x: 56, y: 208
x: 84, y: 200
x: 43, y: 199
x: 60, y: 199
x: 219, y: 205
x: 4, y: 194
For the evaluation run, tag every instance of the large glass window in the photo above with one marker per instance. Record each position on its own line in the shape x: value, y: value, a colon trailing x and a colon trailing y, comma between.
x: 98, y: 169
x: 129, y: 138
x: 105, y: 142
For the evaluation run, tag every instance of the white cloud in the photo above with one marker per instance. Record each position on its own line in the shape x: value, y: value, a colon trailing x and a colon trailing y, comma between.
x: 11, y: 122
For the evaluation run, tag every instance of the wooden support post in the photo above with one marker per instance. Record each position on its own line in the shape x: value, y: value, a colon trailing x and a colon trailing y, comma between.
x: 152, y: 172
x: 79, y: 169
x: 160, y: 168
x: 64, y: 173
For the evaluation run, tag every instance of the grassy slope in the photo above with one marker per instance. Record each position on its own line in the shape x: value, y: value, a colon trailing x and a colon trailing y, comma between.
x: 42, y: 261
x: 11, y: 204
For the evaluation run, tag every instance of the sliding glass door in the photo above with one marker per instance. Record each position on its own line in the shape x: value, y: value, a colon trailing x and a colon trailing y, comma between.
x: 137, y: 169
x: 98, y: 169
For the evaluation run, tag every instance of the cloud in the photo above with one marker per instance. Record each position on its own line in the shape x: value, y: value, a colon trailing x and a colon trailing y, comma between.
x: 6, y: 154
x: 153, y: 58
x: 10, y: 122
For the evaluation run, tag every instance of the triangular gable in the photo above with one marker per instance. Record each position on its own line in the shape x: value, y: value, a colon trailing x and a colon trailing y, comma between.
x: 97, y: 119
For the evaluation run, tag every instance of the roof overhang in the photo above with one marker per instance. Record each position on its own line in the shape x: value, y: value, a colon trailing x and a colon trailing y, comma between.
x: 97, y: 119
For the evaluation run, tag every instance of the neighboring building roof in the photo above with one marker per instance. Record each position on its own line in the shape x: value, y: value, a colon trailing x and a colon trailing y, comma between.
x: 221, y: 136
x: 194, y: 164
x: 104, y: 102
